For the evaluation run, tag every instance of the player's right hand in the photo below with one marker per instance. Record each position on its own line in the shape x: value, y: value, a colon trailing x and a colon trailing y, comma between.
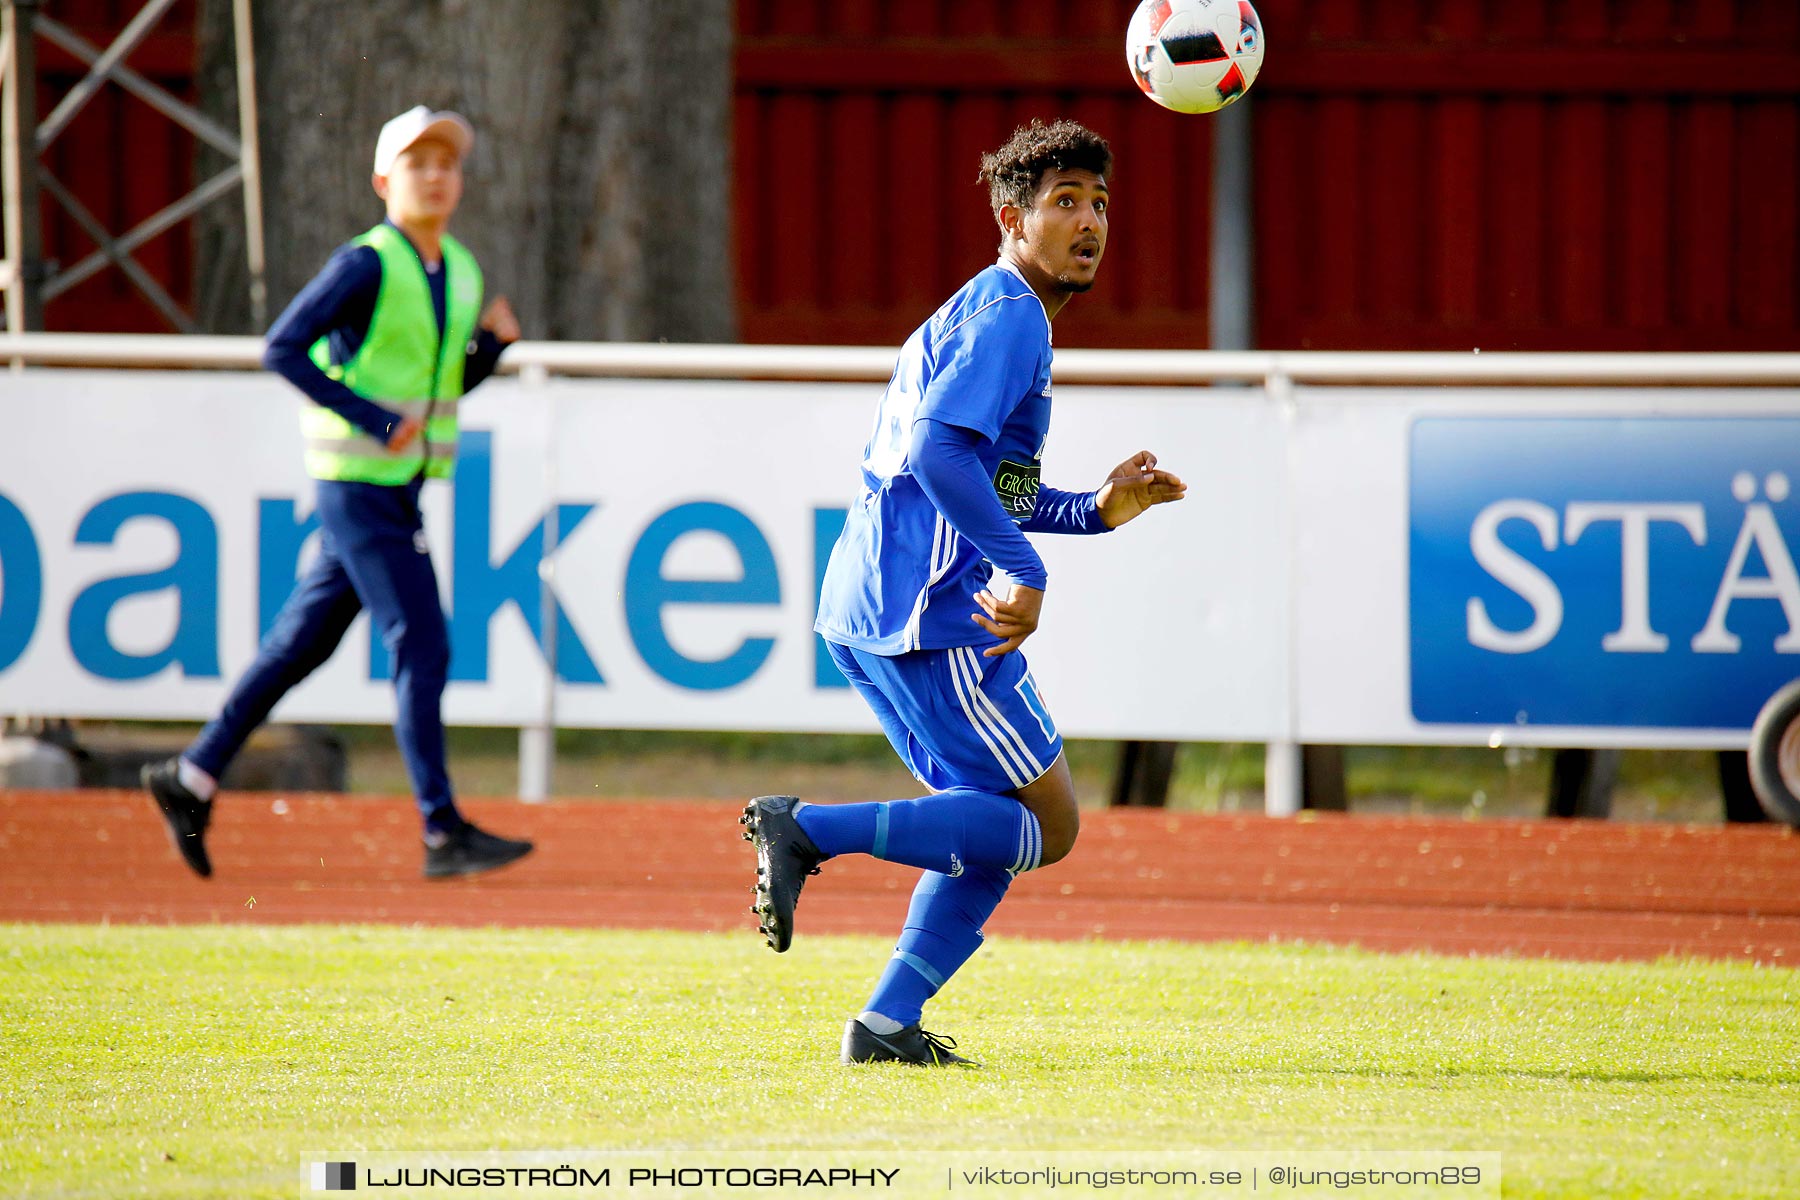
x: 1012, y: 620
x: 404, y: 433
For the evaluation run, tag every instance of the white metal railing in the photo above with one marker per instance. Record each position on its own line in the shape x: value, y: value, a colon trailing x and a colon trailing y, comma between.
x: 1276, y: 371
x: 876, y: 363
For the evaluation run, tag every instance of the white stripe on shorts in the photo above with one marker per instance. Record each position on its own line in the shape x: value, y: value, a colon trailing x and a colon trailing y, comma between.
x: 1021, y: 767
x: 1001, y: 725
x: 978, y: 719
x: 990, y: 716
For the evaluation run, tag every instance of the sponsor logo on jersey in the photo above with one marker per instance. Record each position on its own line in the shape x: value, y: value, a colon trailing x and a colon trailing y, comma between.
x: 1017, y: 486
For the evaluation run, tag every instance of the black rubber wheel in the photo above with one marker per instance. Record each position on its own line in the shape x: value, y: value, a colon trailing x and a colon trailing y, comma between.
x: 1775, y: 755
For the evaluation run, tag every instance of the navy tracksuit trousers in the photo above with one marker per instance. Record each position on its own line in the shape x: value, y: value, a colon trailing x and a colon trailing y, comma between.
x: 372, y: 555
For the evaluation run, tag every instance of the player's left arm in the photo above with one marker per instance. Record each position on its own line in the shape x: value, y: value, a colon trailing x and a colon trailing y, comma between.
x: 1056, y: 511
x: 1134, y: 487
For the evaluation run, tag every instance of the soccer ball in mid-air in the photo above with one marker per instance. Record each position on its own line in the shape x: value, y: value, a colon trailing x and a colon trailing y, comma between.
x: 1194, y: 56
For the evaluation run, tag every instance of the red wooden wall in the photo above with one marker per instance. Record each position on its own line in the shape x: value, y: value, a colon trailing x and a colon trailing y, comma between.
x: 859, y: 130
x: 1530, y: 175
x: 1527, y: 174
x: 123, y: 160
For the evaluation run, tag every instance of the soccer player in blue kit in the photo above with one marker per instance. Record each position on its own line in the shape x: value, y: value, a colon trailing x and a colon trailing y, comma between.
x: 933, y: 587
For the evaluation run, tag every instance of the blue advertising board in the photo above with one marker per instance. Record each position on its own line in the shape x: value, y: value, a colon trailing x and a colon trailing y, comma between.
x: 1633, y: 572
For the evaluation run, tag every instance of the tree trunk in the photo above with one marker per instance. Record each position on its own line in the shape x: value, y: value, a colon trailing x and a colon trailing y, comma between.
x: 597, y: 196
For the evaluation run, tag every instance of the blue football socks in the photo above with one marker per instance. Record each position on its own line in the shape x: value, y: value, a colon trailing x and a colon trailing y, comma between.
x: 943, y: 928
x: 970, y: 844
x: 949, y: 832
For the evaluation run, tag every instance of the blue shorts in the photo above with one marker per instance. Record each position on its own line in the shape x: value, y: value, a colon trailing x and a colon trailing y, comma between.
x: 955, y: 718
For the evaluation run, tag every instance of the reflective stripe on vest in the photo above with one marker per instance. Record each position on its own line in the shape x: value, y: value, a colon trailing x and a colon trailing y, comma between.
x: 402, y: 365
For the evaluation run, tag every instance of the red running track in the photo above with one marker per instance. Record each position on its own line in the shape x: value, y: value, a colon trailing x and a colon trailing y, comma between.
x: 1566, y: 889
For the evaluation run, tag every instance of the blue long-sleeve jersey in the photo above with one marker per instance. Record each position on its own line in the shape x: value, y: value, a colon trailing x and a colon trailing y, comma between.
x: 950, y: 477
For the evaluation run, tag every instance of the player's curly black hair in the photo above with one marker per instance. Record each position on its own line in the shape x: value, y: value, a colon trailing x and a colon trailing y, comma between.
x: 1014, y: 171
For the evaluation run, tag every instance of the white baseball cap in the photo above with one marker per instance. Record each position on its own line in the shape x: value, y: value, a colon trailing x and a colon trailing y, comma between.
x: 416, y: 123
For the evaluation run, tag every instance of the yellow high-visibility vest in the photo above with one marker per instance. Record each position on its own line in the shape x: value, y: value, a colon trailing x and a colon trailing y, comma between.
x: 403, y: 364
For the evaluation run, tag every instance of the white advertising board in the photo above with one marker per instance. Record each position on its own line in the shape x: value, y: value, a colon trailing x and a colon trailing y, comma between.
x: 152, y: 522
x: 1602, y: 566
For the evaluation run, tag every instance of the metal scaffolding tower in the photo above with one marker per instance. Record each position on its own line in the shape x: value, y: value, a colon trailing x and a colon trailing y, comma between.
x: 26, y: 280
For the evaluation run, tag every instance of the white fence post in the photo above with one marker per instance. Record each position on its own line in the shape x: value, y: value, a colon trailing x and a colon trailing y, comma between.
x: 537, y: 742
x: 1281, y: 779
x: 1281, y: 759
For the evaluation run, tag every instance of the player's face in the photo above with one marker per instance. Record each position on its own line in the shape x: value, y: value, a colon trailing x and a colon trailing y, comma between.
x: 1063, y: 233
x: 425, y: 183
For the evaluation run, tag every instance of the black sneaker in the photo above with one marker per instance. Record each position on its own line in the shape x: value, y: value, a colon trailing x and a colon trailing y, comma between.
x: 911, y: 1045
x: 186, y: 814
x: 470, y: 851
x: 785, y: 856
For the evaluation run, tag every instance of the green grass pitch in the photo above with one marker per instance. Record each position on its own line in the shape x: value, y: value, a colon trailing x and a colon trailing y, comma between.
x: 204, y: 1061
